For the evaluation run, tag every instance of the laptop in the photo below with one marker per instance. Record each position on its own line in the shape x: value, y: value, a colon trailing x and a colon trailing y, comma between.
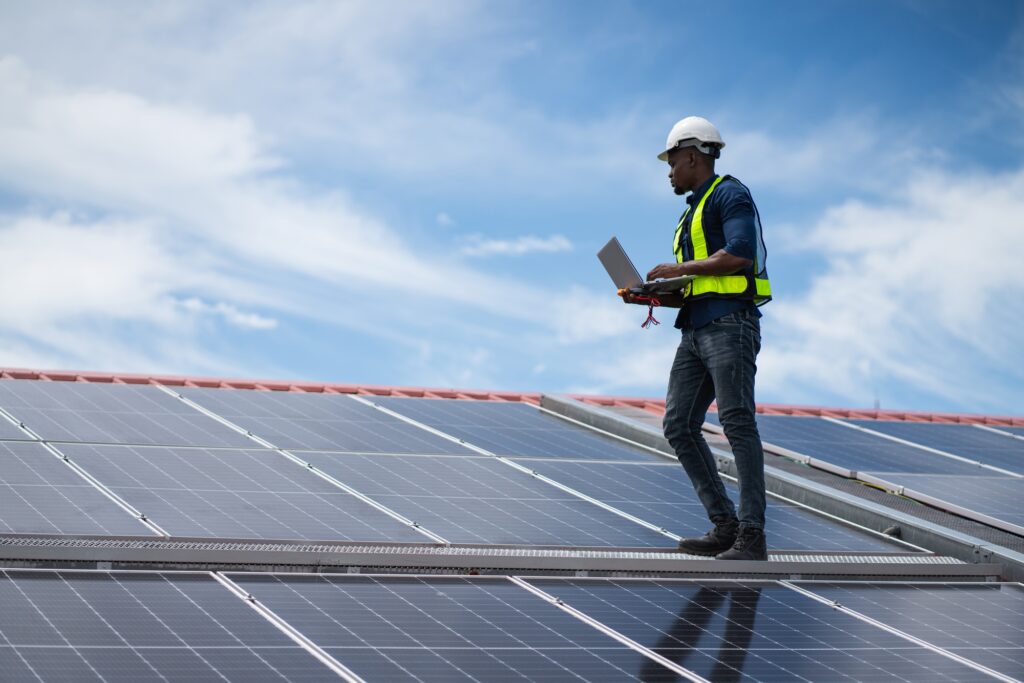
x: 625, y: 275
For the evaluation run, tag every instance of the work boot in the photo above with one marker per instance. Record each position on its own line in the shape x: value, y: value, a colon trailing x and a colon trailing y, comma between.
x: 749, y: 545
x: 715, y: 541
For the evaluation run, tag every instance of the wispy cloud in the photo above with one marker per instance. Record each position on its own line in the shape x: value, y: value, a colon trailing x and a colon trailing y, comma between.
x: 481, y: 246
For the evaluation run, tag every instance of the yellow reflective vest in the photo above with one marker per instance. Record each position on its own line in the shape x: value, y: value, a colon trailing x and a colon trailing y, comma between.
x: 755, y: 287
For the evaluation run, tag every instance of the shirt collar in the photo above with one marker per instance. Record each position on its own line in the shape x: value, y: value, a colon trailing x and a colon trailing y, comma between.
x: 696, y: 195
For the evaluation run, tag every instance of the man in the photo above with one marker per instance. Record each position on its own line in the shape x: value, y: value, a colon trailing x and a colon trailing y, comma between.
x: 718, y: 240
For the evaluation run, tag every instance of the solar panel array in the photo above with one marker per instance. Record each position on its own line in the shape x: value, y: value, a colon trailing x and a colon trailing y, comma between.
x: 967, y: 470
x: 136, y: 461
x: 212, y: 466
x: 148, y: 625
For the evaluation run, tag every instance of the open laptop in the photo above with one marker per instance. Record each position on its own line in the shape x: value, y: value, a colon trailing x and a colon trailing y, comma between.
x: 625, y: 275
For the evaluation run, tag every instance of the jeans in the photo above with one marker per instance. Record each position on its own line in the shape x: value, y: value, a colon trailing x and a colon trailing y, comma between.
x: 719, y: 360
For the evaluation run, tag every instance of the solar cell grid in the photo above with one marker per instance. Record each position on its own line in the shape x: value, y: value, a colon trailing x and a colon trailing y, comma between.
x: 327, y: 422
x: 235, y: 494
x: 482, y: 500
x: 41, y: 494
x: 964, y: 440
x: 853, y: 449
x: 446, y: 629
x: 143, y: 626
x: 663, y: 495
x: 752, y: 631
x: 983, y: 622
x: 515, y: 429
x: 111, y: 413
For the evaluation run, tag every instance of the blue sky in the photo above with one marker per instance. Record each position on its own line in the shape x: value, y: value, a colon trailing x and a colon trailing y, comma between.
x: 413, y: 193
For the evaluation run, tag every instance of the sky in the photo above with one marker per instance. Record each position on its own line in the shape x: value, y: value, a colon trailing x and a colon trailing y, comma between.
x: 413, y: 193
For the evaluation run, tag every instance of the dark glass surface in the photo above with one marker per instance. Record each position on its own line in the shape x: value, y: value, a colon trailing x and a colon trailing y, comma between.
x: 959, y: 439
x: 39, y: 493
x: 981, y: 621
x: 663, y: 495
x: 446, y: 629
x: 751, y: 631
x: 853, y: 449
x: 1019, y: 431
x: 514, y: 429
x: 996, y: 496
x: 112, y: 413
x: 325, y: 422
x: 235, y: 494
x: 482, y: 500
x: 66, y: 625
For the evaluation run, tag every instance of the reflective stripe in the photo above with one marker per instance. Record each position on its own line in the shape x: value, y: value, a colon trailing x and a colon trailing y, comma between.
x: 756, y: 288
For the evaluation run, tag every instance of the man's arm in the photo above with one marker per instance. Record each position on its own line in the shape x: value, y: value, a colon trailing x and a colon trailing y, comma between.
x: 719, y: 263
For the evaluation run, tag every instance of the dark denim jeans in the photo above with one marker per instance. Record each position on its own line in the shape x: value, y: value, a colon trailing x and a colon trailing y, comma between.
x: 718, y: 360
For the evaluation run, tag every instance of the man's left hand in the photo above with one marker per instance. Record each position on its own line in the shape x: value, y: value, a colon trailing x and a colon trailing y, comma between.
x: 666, y: 270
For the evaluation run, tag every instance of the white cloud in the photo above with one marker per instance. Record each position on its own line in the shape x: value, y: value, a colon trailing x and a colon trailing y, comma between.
x: 230, y: 313
x: 527, y: 244
x: 923, y: 292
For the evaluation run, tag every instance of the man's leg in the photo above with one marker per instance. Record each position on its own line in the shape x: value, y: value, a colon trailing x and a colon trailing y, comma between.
x: 728, y: 347
x: 690, y: 392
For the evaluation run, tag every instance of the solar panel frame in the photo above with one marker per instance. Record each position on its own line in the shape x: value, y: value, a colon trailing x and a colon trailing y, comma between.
x: 981, y: 621
x: 515, y: 429
x: 964, y: 440
x: 434, y: 628
x: 41, y: 494
x: 664, y: 496
x: 68, y: 624
x: 228, y: 493
x: 9, y: 431
x: 481, y: 499
x: 749, y: 630
x: 300, y: 421
x: 112, y: 413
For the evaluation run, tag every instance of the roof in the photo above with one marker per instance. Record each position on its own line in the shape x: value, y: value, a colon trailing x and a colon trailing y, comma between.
x: 651, y: 405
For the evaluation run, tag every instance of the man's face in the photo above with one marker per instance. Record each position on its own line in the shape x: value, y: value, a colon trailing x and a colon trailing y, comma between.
x: 680, y: 169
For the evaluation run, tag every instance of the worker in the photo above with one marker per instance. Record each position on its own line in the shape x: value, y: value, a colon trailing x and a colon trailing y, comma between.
x: 718, y: 240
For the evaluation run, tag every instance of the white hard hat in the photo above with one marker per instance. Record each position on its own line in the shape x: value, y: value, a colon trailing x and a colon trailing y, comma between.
x: 694, y: 131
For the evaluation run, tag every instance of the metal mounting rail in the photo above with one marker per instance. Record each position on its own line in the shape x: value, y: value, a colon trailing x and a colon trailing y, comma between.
x: 242, y: 555
x: 996, y: 430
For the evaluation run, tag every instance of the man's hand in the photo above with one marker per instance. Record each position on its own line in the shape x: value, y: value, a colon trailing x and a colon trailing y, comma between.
x: 628, y: 296
x: 666, y: 270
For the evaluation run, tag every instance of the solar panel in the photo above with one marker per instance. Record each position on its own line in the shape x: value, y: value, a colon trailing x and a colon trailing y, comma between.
x: 111, y: 413
x: 514, y: 429
x: 663, y: 495
x: 41, y: 494
x: 1019, y: 431
x: 446, y: 629
x: 981, y: 621
x: 235, y: 494
x: 482, y: 500
x: 965, y: 440
x: 751, y: 631
x: 136, y: 626
x: 853, y: 449
x: 325, y: 422
x: 997, y: 496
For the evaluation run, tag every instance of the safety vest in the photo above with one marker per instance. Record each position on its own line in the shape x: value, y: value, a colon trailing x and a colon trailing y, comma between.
x: 754, y: 287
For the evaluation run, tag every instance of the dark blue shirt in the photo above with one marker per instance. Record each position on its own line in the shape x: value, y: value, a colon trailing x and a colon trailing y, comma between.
x: 729, y: 223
